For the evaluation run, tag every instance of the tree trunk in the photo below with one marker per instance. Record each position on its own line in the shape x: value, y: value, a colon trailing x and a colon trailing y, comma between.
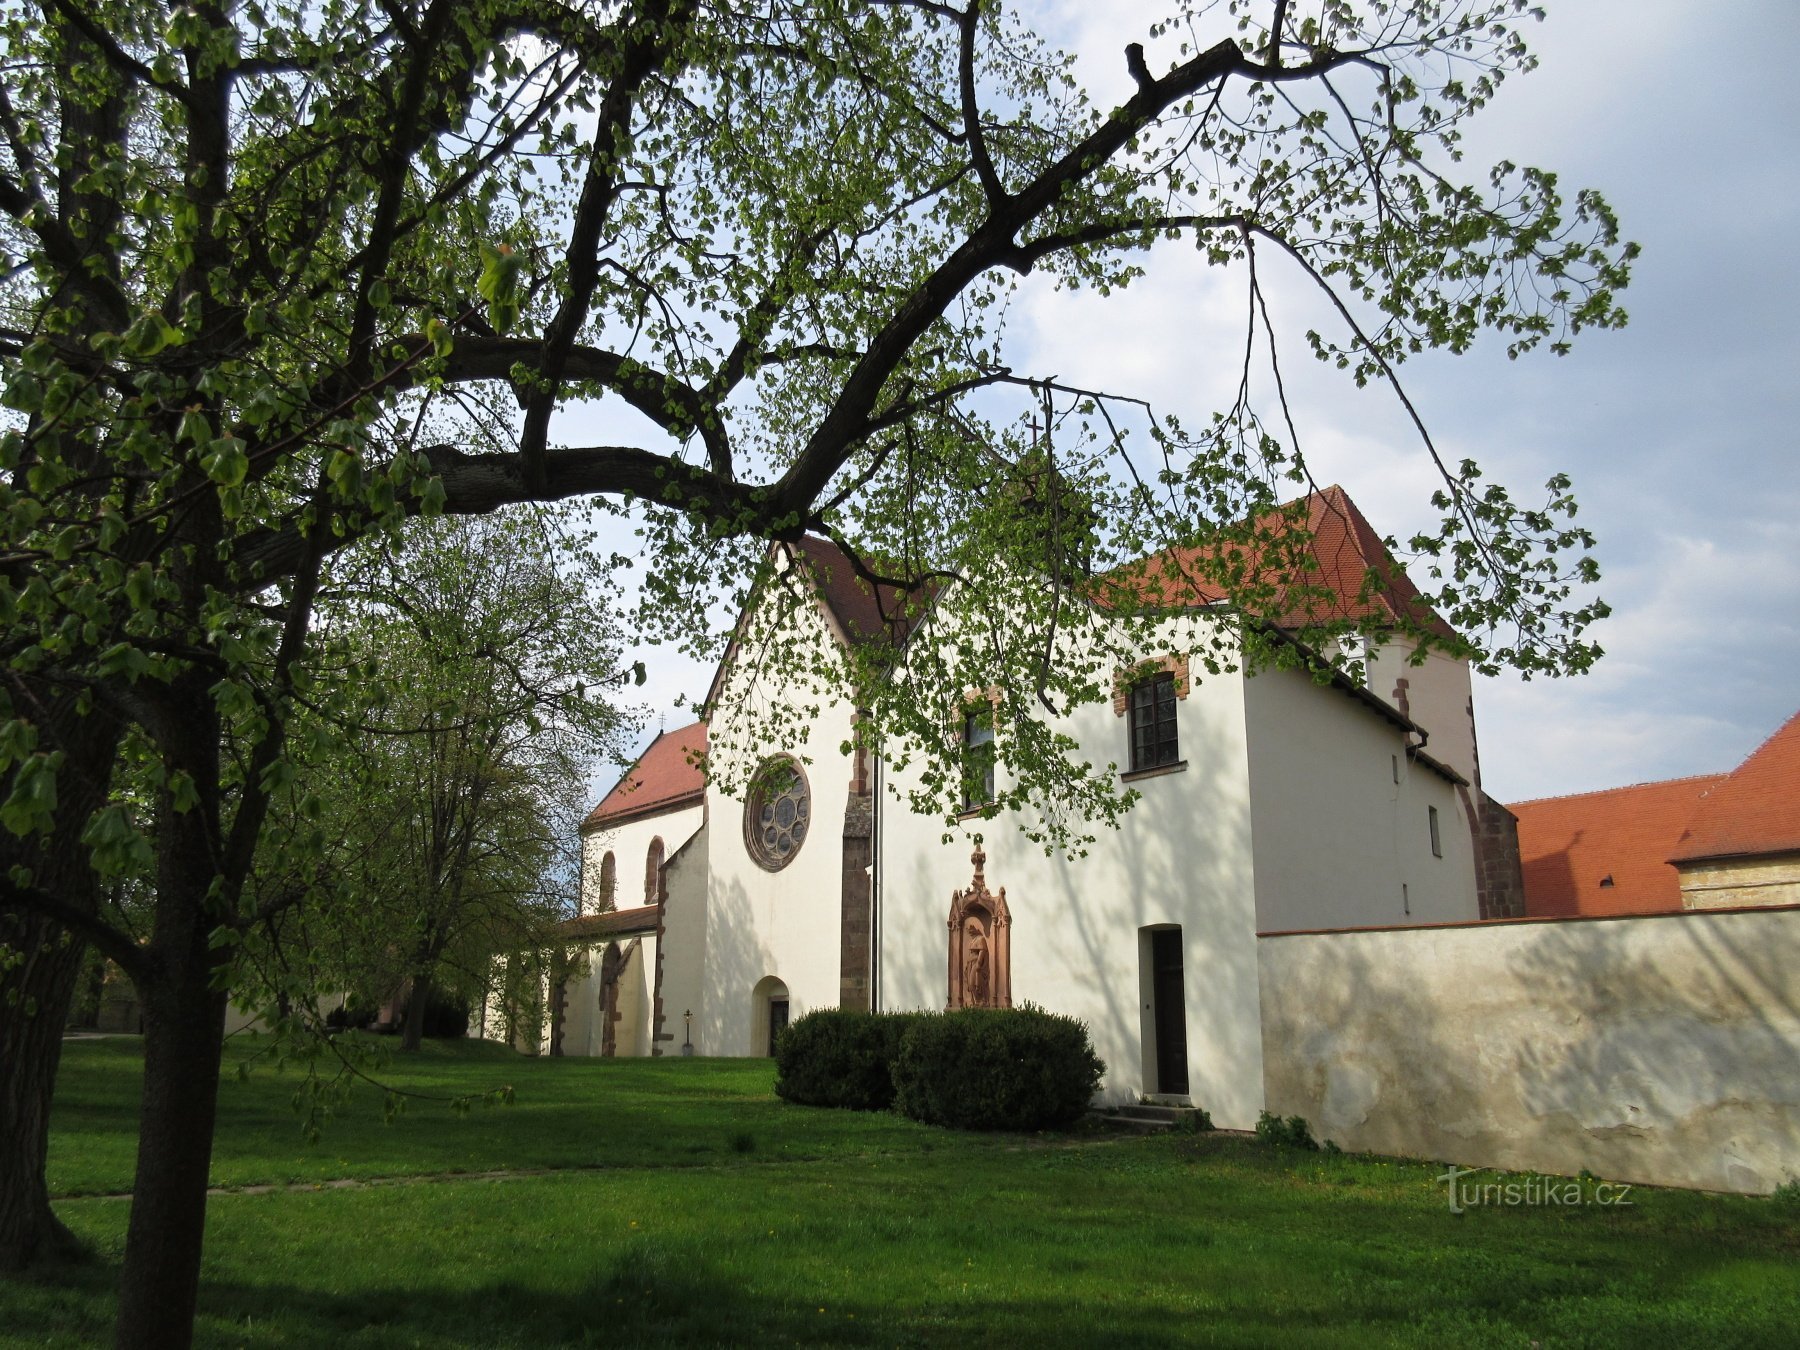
x: 35, y: 997
x: 36, y: 993
x: 184, y: 1033
x: 412, y: 1029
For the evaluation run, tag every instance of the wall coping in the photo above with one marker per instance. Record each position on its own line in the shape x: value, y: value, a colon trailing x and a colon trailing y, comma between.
x: 1531, y: 919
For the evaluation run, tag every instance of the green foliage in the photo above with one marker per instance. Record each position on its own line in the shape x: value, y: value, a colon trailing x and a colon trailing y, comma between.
x: 1288, y: 1132
x: 836, y: 1057
x: 996, y: 1069
x: 427, y: 819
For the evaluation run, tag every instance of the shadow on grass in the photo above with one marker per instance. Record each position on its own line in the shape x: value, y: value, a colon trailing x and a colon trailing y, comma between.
x: 640, y: 1300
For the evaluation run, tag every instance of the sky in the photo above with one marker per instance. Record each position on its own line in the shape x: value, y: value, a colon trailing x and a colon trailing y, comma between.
x: 1681, y: 432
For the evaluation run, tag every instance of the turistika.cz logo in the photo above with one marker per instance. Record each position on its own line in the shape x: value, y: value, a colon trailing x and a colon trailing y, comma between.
x: 1529, y: 1191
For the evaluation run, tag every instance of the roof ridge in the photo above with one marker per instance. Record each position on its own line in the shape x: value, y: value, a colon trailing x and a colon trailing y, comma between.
x: 1767, y: 741
x: 1626, y: 787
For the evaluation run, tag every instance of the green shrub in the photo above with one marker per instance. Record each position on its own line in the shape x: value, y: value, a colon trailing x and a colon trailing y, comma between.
x: 1292, y: 1132
x: 446, y: 1017
x: 996, y: 1069
x: 834, y: 1057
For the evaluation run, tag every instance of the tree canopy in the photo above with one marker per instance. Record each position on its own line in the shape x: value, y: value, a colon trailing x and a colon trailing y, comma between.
x: 281, y: 275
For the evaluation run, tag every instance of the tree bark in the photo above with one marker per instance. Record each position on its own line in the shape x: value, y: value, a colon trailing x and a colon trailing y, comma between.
x: 412, y: 1029
x: 35, y: 994
x: 34, y: 1004
x: 184, y: 1033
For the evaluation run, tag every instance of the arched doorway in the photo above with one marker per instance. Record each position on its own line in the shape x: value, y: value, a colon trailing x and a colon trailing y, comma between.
x: 1164, y: 985
x: 768, y: 1015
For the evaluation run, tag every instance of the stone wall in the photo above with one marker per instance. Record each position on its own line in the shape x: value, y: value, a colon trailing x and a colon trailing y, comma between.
x: 1499, y: 873
x: 1734, y: 883
x: 1657, y: 1048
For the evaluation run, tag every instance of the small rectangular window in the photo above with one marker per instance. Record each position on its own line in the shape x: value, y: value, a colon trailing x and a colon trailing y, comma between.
x: 1437, y: 843
x: 978, y: 759
x: 1153, y: 739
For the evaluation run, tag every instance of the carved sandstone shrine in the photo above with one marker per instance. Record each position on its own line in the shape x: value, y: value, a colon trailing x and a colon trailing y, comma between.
x: 980, y: 944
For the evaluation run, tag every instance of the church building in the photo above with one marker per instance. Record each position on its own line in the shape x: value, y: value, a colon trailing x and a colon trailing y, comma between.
x: 1279, y: 801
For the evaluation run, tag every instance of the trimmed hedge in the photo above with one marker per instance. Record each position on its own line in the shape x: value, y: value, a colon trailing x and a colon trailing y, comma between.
x: 835, y: 1057
x: 996, y: 1069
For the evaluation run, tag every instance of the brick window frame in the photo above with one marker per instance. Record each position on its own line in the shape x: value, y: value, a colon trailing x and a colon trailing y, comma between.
x: 1124, y: 680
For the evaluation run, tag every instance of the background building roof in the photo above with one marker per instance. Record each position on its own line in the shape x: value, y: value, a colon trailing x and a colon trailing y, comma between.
x: 1754, y: 809
x: 1606, y: 852
x: 670, y: 773
x: 1349, y: 574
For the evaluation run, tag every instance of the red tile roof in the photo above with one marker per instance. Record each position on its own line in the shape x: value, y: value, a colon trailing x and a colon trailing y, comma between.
x: 1569, y: 846
x: 1755, y: 809
x: 669, y: 774
x: 864, y: 611
x: 610, y: 924
x: 1349, y: 573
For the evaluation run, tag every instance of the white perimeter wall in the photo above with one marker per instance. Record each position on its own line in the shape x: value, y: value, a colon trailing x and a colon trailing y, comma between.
x: 1661, y: 1049
x: 1339, y: 843
x: 1182, y: 856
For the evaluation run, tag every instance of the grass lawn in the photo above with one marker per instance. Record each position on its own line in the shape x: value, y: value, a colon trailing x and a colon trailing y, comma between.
x: 690, y: 1207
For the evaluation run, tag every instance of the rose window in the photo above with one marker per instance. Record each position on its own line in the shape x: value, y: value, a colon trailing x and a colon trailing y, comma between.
x: 778, y: 814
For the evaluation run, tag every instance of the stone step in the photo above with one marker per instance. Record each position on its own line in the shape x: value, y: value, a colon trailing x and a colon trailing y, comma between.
x: 1124, y: 1124
x: 1158, y: 1111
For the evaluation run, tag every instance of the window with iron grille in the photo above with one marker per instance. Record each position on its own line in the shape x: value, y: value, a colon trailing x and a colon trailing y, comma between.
x: 1153, y: 741
x: 978, y: 759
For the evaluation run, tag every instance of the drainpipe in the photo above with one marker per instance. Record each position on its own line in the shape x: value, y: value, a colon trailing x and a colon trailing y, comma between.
x: 875, y: 888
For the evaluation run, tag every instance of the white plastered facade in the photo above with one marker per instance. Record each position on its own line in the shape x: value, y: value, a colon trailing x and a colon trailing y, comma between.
x: 1297, y: 805
x: 1294, y: 805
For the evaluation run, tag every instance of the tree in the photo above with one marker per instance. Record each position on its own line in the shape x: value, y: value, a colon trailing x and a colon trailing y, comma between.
x: 444, y: 809
x: 282, y: 276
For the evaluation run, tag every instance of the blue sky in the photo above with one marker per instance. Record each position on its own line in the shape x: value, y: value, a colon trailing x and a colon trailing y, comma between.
x: 1680, y: 431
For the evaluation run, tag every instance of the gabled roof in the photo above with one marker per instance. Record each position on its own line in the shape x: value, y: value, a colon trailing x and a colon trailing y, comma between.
x: 864, y: 611
x: 1349, y: 573
x: 1605, y: 852
x: 1755, y: 809
x: 668, y: 775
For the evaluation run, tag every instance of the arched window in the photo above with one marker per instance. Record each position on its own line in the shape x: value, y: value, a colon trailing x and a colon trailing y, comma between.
x: 653, y: 862
x: 609, y: 883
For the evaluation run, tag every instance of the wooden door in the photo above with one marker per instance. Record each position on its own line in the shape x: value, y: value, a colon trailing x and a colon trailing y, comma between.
x: 1170, y: 997
x: 778, y: 1018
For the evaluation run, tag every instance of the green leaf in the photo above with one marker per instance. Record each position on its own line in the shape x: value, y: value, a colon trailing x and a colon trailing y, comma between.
x: 32, y: 802
x: 499, y: 285
x: 226, y: 461
x: 149, y: 336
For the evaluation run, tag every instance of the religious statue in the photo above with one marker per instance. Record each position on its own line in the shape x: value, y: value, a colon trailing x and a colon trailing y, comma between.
x: 975, y: 964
